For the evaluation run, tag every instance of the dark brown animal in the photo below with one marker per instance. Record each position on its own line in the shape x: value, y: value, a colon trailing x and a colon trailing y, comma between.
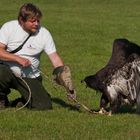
x: 119, y: 80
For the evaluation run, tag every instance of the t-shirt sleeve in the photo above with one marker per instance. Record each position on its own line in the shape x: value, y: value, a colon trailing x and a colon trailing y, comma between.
x: 4, y: 34
x: 49, y: 43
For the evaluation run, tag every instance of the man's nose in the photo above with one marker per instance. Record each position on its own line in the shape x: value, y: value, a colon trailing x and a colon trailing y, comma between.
x: 36, y: 22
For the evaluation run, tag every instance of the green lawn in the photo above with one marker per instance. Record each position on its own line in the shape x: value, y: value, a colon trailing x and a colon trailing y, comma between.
x: 83, y: 31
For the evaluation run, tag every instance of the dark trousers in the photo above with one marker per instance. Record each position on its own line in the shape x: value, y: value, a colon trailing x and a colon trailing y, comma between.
x: 40, y: 99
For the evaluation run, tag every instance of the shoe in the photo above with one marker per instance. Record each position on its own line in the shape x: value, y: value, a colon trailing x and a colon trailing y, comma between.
x: 2, y: 104
x: 19, y: 102
x: 3, y: 101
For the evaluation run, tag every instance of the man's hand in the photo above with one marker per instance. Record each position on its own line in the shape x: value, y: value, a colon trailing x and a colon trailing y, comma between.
x: 6, y: 56
x: 24, y: 62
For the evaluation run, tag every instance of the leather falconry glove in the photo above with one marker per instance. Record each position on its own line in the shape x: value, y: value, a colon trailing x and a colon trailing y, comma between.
x: 62, y: 76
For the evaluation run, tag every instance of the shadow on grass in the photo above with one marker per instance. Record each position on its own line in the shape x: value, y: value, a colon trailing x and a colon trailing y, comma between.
x: 127, y: 109
x: 122, y: 110
x: 63, y: 104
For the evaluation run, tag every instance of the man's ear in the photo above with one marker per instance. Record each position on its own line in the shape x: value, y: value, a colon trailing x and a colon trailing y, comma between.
x: 21, y: 20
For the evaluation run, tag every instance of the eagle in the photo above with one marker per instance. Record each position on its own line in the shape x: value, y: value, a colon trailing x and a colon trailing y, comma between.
x: 119, y: 79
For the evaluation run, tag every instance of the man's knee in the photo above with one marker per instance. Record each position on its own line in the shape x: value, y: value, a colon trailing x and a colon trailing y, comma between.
x: 40, y: 101
x: 41, y: 105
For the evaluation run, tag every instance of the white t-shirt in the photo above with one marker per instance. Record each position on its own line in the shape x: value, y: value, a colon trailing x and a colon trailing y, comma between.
x: 13, y: 35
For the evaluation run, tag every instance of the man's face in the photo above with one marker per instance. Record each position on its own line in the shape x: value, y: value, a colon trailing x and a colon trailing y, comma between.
x: 31, y: 25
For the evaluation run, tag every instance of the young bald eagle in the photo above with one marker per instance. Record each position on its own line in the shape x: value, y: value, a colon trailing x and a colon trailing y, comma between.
x: 119, y: 80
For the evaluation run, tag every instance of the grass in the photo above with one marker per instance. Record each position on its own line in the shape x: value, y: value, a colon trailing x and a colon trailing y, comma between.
x: 83, y: 31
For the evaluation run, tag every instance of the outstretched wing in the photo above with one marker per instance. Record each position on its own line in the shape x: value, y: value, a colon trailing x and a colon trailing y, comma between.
x: 123, y: 52
x: 126, y: 80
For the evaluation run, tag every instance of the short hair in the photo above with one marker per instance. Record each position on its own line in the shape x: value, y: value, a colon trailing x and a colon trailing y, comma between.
x: 29, y: 11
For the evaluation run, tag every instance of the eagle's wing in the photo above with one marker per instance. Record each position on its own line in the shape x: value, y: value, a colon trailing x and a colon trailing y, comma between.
x: 126, y: 80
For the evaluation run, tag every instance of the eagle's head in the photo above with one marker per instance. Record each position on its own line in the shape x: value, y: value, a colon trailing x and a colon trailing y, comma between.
x: 91, y: 81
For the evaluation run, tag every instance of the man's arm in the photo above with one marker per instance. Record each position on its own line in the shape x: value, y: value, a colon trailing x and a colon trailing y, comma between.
x: 56, y: 60
x: 6, y: 56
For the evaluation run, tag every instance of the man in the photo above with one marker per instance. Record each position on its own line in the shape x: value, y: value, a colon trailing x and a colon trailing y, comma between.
x: 31, y: 39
